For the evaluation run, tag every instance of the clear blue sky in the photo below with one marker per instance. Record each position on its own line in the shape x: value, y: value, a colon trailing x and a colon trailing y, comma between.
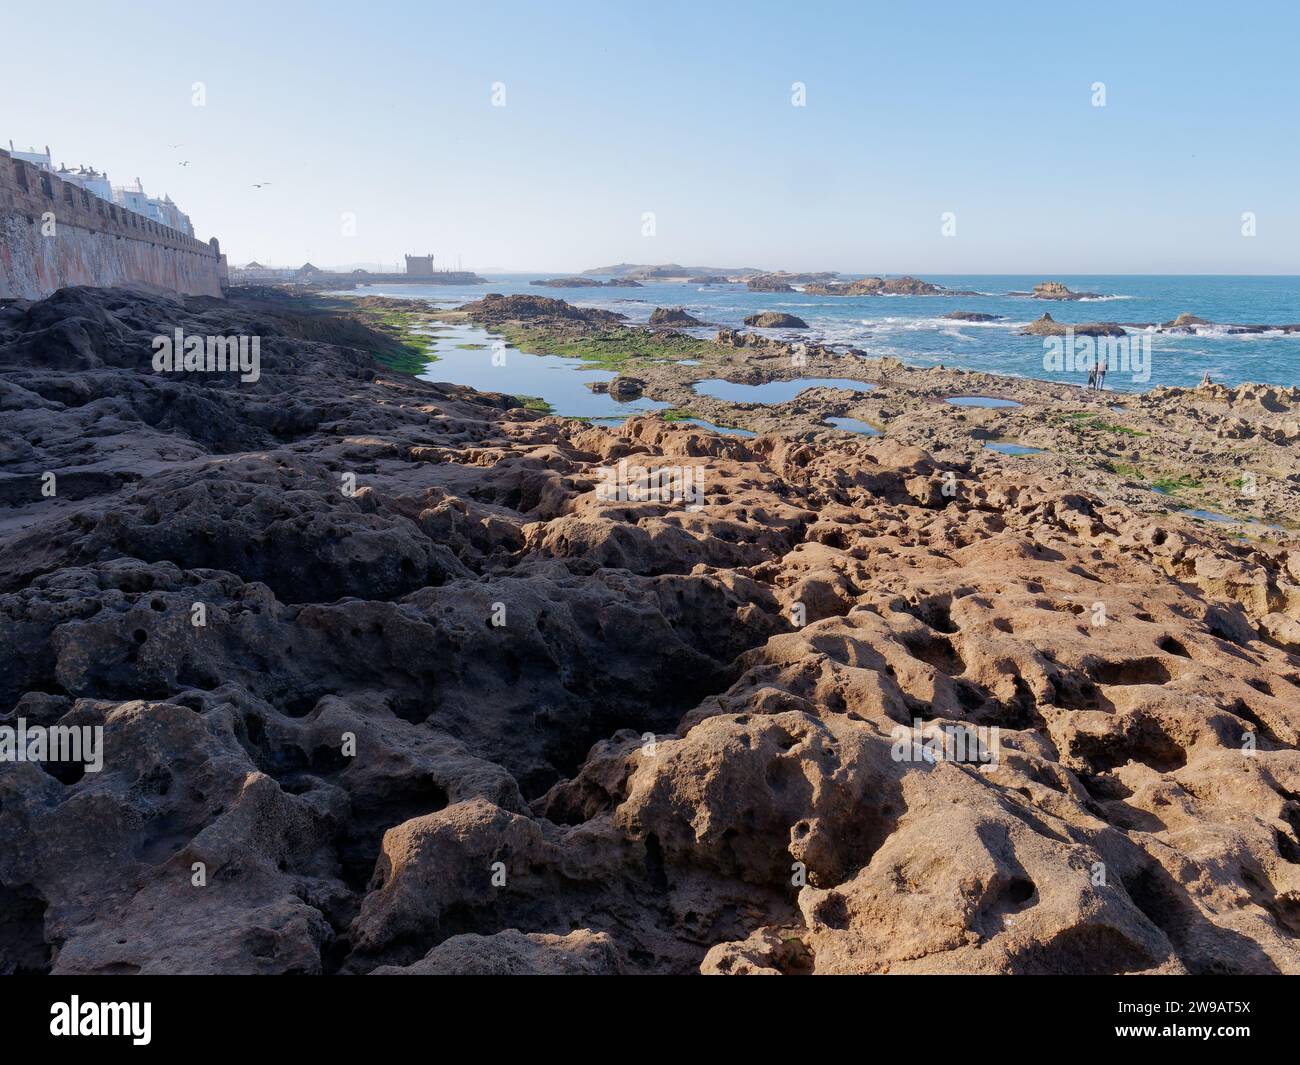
x: 613, y: 109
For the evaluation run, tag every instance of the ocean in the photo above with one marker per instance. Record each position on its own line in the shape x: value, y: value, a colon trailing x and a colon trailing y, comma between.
x: 913, y: 329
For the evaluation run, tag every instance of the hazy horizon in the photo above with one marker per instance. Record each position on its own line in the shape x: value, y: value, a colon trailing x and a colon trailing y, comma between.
x: 389, y: 117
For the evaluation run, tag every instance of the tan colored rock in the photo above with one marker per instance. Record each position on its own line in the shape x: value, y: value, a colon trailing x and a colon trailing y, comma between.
x: 464, y: 856
x: 753, y: 736
x: 511, y: 953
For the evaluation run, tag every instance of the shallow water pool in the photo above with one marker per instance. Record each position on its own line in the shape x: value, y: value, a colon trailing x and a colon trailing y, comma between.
x: 492, y: 365
x: 853, y: 425
x: 981, y: 401
x: 774, y: 392
x: 1006, y: 448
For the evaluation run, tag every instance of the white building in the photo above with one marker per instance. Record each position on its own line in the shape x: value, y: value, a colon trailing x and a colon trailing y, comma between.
x: 166, y: 212
x: 132, y: 197
x: 88, y: 178
x: 254, y: 272
x: 37, y: 159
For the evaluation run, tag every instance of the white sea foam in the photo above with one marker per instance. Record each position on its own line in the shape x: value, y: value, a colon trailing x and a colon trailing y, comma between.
x: 937, y: 325
x: 1220, y: 332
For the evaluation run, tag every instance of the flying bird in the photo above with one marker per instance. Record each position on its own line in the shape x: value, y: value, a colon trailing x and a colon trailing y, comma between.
x: 186, y: 163
x: 262, y: 186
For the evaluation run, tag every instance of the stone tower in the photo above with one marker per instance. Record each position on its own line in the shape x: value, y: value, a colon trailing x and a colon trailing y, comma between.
x: 419, y: 265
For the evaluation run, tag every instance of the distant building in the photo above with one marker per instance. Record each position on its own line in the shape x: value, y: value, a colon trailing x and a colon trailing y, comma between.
x: 131, y: 197
x: 166, y: 212
x: 37, y: 159
x: 88, y: 178
x: 419, y: 265
x: 254, y: 272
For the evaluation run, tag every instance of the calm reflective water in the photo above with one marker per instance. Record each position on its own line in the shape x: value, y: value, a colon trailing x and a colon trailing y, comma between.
x: 725, y: 430
x: 853, y: 425
x: 774, y: 391
x: 1011, y: 449
x: 560, y: 381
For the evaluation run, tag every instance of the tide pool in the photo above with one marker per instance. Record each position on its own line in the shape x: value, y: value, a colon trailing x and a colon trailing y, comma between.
x: 495, y: 366
x: 773, y: 392
x: 853, y: 425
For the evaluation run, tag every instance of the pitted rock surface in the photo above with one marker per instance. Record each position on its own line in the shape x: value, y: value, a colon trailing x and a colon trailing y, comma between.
x: 476, y: 716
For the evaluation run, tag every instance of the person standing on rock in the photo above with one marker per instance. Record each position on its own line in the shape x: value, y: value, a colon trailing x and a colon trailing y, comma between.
x: 1101, y: 372
x: 1092, y: 376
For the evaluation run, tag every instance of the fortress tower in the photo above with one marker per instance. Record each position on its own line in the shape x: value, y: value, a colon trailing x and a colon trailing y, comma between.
x: 419, y: 265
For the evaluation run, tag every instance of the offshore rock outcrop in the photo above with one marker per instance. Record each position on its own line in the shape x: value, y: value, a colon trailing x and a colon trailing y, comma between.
x: 1047, y: 326
x: 673, y: 316
x: 775, y: 320
x: 769, y: 283
x: 586, y: 282
x: 879, y: 286
x: 1190, y: 325
x: 495, y: 308
x: 1055, y: 290
x: 475, y: 714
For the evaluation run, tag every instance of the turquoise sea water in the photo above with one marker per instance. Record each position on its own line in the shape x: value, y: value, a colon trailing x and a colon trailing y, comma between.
x: 912, y: 328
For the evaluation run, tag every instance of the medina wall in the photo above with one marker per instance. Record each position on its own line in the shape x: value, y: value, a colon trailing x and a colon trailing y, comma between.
x: 54, y: 234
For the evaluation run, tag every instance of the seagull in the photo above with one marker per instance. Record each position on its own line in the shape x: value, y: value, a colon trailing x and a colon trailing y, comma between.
x: 186, y: 163
x: 263, y: 185
x: 175, y: 146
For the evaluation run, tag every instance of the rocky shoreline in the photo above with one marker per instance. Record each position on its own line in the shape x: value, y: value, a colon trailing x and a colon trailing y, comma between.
x: 456, y: 707
x: 586, y: 282
x: 1158, y: 451
x: 815, y: 283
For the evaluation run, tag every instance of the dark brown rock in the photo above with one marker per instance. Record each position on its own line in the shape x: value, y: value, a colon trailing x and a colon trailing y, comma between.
x: 495, y: 308
x: 673, y: 316
x: 775, y: 320
x: 647, y: 765
x: 1054, y: 290
x: 1047, y: 326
